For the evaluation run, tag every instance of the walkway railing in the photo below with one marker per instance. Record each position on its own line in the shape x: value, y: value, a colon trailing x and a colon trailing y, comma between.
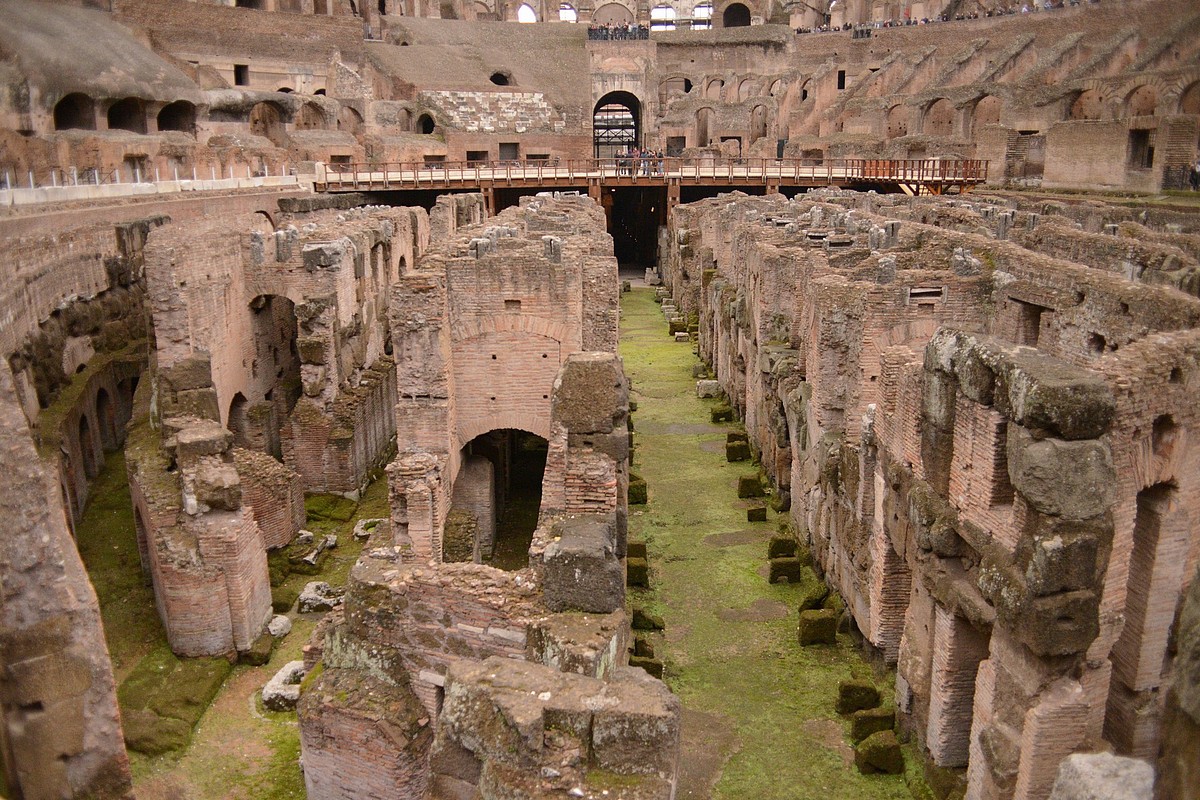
x: 653, y: 170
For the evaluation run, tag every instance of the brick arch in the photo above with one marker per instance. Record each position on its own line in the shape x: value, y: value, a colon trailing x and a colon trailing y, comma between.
x: 515, y: 323
x: 939, y: 118
x: 1141, y: 101
x: 527, y: 421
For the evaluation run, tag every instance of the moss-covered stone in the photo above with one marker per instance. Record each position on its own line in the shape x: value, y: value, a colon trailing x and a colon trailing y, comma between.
x: 635, y: 549
x: 329, y: 507
x: 835, y: 602
x: 750, y: 486
x: 149, y: 734
x: 637, y: 572
x: 817, y: 627
x: 781, y: 547
x: 637, y: 490
x: 721, y: 413
x: 278, y: 567
x: 737, y: 451
x: 259, y: 652
x: 855, y: 695
x: 283, y: 598
x: 642, y: 647
x: 732, y: 437
x: 785, y: 569
x: 651, y: 665
x: 642, y: 620
x: 756, y: 514
x: 811, y: 590
x: 879, y: 752
x: 867, y: 721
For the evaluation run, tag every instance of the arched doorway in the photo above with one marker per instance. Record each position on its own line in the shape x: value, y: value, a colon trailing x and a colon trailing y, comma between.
x: 236, y: 422
x: 106, y: 418
x: 275, y: 329
x: 736, y: 16
x: 75, y: 112
x: 87, y: 448
x: 499, y: 487
x: 127, y: 115
x: 178, y: 116
x: 616, y: 124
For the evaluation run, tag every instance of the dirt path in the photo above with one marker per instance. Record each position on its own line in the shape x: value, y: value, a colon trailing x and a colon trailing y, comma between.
x: 759, y: 720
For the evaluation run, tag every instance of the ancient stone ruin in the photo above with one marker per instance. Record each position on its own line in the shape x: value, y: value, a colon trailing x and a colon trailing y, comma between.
x: 334, y: 290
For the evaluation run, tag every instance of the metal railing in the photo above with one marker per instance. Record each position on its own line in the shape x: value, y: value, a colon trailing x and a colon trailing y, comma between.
x: 652, y: 169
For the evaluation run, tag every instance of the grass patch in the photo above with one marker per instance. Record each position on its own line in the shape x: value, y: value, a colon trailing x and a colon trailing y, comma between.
x: 751, y: 672
x: 165, y: 696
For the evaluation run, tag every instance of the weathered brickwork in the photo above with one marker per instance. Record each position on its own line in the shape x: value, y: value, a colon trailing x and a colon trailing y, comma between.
x: 986, y: 446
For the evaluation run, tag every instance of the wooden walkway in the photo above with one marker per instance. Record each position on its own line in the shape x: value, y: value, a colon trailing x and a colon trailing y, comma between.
x: 931, y: 176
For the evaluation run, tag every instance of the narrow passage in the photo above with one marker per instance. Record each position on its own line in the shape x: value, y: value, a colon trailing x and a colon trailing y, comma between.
x: 751, y: 694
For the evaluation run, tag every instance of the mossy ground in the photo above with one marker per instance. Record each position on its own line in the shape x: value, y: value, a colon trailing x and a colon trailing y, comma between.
x: 238, y: 749
x: 708, y: 564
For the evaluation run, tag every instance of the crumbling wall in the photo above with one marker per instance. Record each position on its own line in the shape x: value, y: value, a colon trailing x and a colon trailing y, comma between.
x: 60, y: 730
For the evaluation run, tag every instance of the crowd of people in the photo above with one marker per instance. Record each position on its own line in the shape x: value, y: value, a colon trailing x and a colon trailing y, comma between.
x: 610, y: 31
x: 862, y: 30
x: 636, y: 161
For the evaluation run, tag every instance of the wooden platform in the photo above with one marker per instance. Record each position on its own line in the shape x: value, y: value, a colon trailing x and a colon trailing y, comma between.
x: 930, y: 176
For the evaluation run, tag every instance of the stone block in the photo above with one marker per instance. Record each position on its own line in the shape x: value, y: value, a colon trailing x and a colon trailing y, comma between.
x: 879, y: 752
x: 635, y: 549
x: 781, y: 547
x: 811, y: 591
x: 637, y: 490
x: 788, y: 569
x: 642, y: 647
x: 652, y: 665
x: 259, y: 652
x: 750, y: 486
x: 867, y: 721
x: 708, y: 388
x: 643, y: 620
x: 721, y: 413
x: 637, y: 572
x: 682, y: 336
x: 587, y: 390
x: 580, y: 569
x: 818, y: 627
x: 756, y: 514
x: 855, y: 695
x: 737, y: 451
x: 1074, y: 480
x: 317, y: 596
x: 279, y: 626
x: 217, y: 485
x: 1102, y: 776
x: 282, y: 692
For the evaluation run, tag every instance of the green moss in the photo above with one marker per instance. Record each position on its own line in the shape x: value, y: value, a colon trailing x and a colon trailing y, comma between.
x: 165, y: 696
x: 751, y: 672
x: 329, y: 507
x: 312, y: 676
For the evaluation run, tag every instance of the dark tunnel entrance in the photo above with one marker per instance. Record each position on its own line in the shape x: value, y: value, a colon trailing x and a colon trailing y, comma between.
x: 497, y: 496
x: 635, y: 213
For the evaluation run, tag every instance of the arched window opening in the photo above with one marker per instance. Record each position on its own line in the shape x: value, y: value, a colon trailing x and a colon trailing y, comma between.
x: 1088, y: 105
x: 567, y: 13
x: 736, y: 16
x: 662, y: 18
x: 425, y: 124
x: 987, y: 111
x: 616, y: 121
x: 349, y: 121
x: 526, y: 13
x: 501, y: 78
x: 310, y: 118
x: 702, y: 16
x: 75, y: 112
x: 266, y: 120
x: 897, y: 122
x: 497, y: 496
x: 383, y: 8
x: 612, y: 14
x: 178, y: 116
x: 127, y: 115
x: 1189, y: 101
x: 758, y: 123
x: 939, y: 118
x: 1142, y: 102
x: 236, y: 422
